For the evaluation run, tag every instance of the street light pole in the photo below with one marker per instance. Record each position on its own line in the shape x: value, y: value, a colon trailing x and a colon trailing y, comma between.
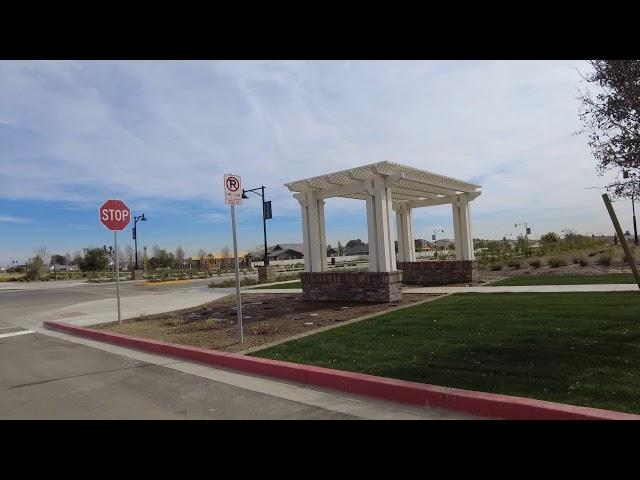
x: 264, y: 219
x: 635, y: 229
x: 135, y: 234
x: 435, y: 242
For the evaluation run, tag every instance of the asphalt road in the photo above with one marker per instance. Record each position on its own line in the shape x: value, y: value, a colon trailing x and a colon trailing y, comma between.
x: 49, y: 375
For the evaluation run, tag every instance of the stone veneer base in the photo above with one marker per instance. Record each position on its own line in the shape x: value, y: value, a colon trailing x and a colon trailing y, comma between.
x: 373, y: 287
x: 267, y: 274
x: 441, y: 272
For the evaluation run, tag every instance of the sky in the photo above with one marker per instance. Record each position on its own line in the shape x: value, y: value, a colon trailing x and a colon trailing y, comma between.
x: 160, y: 135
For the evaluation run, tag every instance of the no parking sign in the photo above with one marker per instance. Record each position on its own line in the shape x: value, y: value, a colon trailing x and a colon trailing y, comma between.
x: 232, y: 190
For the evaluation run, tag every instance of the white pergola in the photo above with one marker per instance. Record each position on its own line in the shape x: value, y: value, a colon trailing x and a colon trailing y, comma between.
x: 385, y: 186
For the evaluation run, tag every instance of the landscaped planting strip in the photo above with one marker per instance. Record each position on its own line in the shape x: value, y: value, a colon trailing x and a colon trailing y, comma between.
x: 465, y: 401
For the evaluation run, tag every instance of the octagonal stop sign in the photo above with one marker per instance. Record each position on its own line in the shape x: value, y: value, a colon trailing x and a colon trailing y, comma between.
x: 115, y: 215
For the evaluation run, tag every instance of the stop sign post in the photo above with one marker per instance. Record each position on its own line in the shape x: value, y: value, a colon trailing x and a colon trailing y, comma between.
x: 115, y: 216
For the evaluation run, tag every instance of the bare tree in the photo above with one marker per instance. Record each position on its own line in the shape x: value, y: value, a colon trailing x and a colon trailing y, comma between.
x: 155, y: 251
x: 202, y: 254
x: 180, y: 257
x: 42, y: 254
x: 129, y: 253
x: 226, y: 252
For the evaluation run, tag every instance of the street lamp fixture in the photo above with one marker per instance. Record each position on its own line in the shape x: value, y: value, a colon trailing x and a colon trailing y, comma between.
x: 527, y: 230
x: 435, y: 241
x: 140, y: 218
x: 625, y: 174
x: 266, y: 214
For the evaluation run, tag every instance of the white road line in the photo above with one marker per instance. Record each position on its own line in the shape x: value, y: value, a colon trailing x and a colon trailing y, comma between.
x: 13, y: 334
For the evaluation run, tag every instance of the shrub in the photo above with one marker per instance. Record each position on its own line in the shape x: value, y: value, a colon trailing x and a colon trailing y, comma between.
x: 263, y: 328
x: 575, y: 259
x: 535, y: 263
x: 496, y: 266
x: 515, y: 264
x: 556, y: 262
x: 584, y: 262
x: 604, y: 259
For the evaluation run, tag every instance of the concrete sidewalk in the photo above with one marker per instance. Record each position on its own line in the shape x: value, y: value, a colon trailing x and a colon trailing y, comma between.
x: 613, y: 287
x: 104, y: 311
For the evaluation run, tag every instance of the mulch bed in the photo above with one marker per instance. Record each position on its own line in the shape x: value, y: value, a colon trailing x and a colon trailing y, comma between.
x: 266, y: 318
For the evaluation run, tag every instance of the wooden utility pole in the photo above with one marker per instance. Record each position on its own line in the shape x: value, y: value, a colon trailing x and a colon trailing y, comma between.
x: 623, y: 239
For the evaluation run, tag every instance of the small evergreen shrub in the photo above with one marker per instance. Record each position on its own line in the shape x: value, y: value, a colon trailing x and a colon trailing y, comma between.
x: 556, y: 262
x: 604, y: 260
x: 535, y: 263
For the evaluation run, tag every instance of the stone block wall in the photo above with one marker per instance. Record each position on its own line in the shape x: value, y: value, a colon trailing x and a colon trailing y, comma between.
x: 371, y: 287
x: 267, y: 274
x: 439, y: 272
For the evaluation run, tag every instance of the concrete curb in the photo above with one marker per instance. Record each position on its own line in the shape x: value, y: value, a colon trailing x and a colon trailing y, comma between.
x: 433, y: 396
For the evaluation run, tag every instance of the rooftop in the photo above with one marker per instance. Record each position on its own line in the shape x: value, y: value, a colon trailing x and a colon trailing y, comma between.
x: 411, y: 184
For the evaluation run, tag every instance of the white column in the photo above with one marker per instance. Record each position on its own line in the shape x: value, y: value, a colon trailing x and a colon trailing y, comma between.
x: 465, y: 229
x: 372, y: 232
x: 411, y: 244
x: 383, y: 208
x: 400, y: 233
x: 323, y: 237
x: 305, y: 233
x: 406, y: 246
x: 315, y: 209
x: 456, y: 228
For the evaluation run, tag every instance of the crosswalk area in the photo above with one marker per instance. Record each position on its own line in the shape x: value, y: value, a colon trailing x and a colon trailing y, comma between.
x: 6, y: 332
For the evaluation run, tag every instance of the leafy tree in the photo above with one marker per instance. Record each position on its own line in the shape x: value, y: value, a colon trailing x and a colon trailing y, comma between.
x: 551, y: 237
x: 162, y: 259
x: 35, y: 265
x: 58, y: 260
x: 611, y: 120
x: 94, y: 259
x: 354, y: 243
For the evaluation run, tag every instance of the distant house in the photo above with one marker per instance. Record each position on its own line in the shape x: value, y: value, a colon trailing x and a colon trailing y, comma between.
x: 217, y: 261
x: 284, y: 251
x: 287, y: 251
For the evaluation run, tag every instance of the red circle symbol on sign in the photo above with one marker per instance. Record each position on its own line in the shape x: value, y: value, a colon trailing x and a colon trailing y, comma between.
x: 115, y: 215
x: 233, y: 184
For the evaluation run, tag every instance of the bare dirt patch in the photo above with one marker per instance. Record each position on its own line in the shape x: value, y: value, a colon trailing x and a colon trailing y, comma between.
x: 266, y: 318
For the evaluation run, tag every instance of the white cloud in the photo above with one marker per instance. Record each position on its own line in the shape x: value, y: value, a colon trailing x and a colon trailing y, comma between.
x: 168, y: 131
x: 11, y: 219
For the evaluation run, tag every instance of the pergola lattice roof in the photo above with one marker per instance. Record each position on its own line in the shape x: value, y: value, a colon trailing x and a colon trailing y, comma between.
x: 412, y: 184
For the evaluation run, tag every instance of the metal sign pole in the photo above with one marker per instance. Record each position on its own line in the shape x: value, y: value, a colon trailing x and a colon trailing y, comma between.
x: 235, y: 254
x: 115, y: 242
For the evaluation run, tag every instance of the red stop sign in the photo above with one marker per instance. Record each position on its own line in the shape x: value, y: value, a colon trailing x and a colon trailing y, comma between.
x: 115, y: 215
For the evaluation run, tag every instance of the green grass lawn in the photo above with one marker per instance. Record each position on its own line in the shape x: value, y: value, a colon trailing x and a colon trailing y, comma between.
x: 575, y: 348
x: 282, y: 285
x: 566, y: 279
x: 5, y: 277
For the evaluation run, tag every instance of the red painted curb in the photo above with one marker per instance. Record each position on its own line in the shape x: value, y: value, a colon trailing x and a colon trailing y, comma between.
x: 465, y: 401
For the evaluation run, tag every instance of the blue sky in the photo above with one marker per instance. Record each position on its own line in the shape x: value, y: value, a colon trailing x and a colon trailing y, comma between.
x: 161, y: 135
